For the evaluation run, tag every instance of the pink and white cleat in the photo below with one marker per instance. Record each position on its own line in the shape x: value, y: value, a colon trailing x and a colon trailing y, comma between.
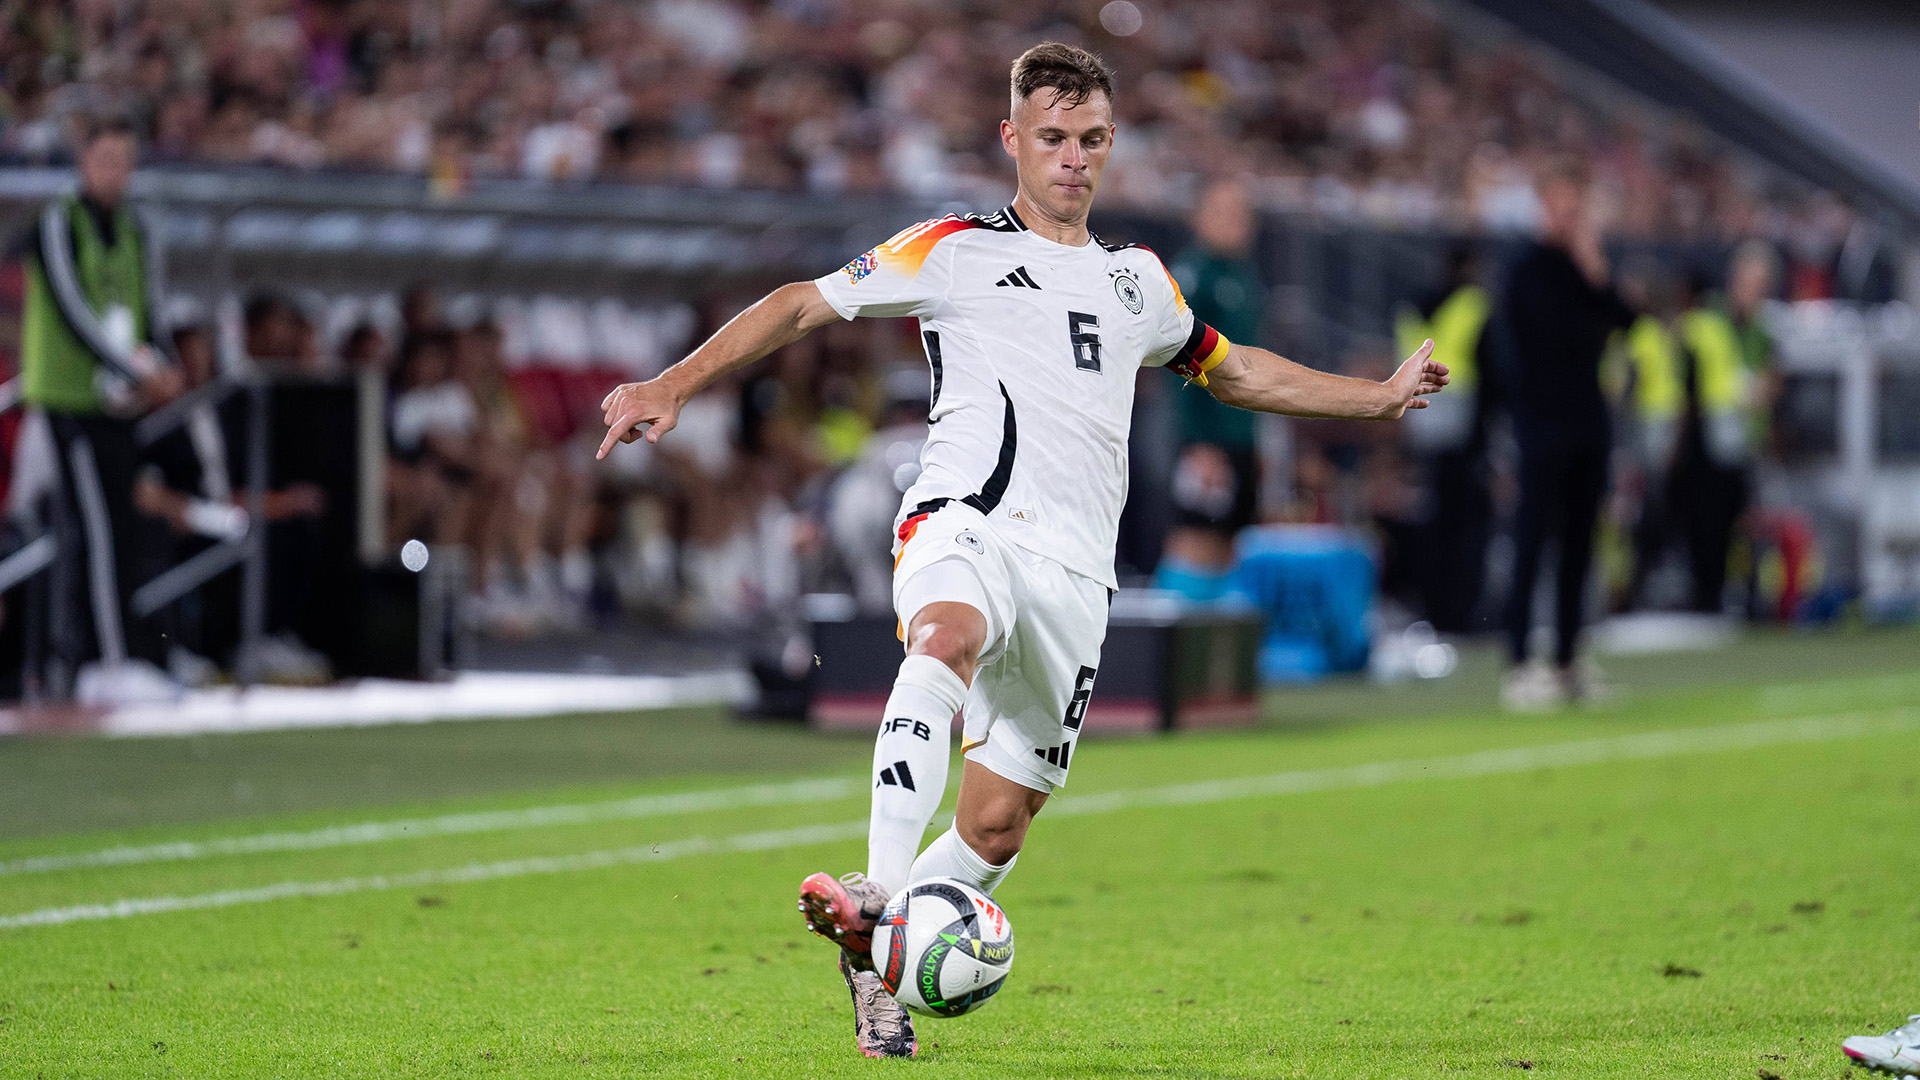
x: 1897, y: 1052
x: 844, y: 912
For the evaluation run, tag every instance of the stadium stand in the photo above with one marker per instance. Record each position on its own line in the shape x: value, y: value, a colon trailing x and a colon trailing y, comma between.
x: 590, y: 187
x: 1403, y: 113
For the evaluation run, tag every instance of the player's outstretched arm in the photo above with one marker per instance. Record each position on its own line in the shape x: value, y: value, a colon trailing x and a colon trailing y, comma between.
x: 1256, y: 379
x: 782, y: 317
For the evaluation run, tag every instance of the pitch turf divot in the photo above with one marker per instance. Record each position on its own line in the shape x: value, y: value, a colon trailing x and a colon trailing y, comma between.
x: 373, y: 832
x: 1643, y: 747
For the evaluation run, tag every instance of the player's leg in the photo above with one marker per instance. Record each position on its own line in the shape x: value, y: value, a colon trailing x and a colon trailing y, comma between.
x: 943, y: 646
x: 1037, y: 696
x: 944, y: 640
x: 945, y: 605
x: 989, y: 828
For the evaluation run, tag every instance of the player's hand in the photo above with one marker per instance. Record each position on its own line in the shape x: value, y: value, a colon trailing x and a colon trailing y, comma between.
x: 633, y: 404
x: 1419, y: 376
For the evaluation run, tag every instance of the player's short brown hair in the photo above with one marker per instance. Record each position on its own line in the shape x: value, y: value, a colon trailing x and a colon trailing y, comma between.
x: 1072, y: 73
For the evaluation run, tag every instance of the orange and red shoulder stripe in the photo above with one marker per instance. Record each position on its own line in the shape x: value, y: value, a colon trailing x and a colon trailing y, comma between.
x: 909, y: 249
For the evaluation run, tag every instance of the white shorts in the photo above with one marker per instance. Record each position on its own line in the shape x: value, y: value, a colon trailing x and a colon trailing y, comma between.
x: 1045, y: 625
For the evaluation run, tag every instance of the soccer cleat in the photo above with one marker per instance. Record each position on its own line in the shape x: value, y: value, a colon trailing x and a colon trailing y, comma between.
x: 880, y: 1026
x: 844, y: 911
x: 1897, y: 1052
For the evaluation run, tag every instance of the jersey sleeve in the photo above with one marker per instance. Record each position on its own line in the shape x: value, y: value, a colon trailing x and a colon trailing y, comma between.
x: 1181, y: 341
x: 906, y: 276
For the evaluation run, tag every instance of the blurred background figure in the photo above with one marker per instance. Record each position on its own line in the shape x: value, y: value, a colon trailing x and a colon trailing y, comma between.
x: 1558, y: 309
x: 190, y: 480
x: 91, y: 362
x: 1719, y: 440
x: 1651, y: 398
x: 1449, y: 441
x: 1216, y: 468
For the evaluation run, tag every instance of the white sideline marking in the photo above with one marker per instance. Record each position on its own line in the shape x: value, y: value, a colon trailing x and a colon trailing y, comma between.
x: 1652, y: 744
x: 373, y: 832
x: 1643, y: 747
x: 555, y: 864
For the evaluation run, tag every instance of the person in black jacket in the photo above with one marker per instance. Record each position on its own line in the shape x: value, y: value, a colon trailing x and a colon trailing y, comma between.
x: 1557, y: 310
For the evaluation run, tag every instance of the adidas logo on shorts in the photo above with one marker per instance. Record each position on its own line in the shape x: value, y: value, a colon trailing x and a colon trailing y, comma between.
x: 1055, y: 755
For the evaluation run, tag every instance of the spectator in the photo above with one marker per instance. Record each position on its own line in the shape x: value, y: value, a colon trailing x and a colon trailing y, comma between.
x: 1369, y: 110
x: 1558, y: 308
x: 187, y: 481
x: 432, y: 419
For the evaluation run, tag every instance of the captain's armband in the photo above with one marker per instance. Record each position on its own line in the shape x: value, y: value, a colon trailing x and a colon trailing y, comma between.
x: 1204, y: 350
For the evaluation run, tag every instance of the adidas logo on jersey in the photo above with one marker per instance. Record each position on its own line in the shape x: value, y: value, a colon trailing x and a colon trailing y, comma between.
x: 897, y: 776
x: 1019, y: 279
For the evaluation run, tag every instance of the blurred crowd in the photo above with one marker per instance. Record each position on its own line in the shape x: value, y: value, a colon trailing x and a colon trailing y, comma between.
x: 777, y: 481
x: 1396, y: 111
x: 781, y: 480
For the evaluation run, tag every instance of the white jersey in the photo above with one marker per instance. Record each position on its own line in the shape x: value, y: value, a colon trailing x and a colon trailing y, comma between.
x: 1034, y: 346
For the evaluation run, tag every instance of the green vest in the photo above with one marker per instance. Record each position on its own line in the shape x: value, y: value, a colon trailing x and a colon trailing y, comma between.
x: 1455, y: 329
x: 56, y: 367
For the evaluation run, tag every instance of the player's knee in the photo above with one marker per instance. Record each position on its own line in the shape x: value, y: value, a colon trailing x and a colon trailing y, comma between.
x: 949, y: 637
x: 996, y: 833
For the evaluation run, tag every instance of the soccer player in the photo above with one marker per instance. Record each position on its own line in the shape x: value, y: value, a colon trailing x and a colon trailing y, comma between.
x: 1034, y: 329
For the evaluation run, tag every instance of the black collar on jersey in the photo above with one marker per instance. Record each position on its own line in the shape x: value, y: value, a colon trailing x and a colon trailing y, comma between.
x: 1006, y: 220
x: 1001, y: 220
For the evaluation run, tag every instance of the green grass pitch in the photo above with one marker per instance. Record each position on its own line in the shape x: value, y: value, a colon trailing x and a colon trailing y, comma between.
x: 1711, y: 877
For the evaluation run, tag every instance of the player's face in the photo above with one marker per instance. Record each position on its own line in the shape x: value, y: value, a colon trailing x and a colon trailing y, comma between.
x: 1059, y: 150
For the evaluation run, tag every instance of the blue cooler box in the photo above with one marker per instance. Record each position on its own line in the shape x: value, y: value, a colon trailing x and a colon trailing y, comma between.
x: 1315, y: 585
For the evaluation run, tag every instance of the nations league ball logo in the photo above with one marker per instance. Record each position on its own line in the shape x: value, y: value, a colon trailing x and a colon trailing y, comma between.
x: 1127, y: 288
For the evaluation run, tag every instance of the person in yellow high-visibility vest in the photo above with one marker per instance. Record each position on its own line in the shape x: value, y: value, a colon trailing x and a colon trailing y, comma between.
x: 1451, y: 439
x: 1720, y: 439
x: 1652, y: 403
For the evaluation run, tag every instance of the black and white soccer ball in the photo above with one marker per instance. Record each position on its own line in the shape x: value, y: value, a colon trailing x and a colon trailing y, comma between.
x: 943, y: 947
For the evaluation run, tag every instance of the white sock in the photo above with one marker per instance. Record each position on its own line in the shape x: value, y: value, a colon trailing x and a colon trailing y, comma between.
x: 910, y: 765
x: 949, y: 856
